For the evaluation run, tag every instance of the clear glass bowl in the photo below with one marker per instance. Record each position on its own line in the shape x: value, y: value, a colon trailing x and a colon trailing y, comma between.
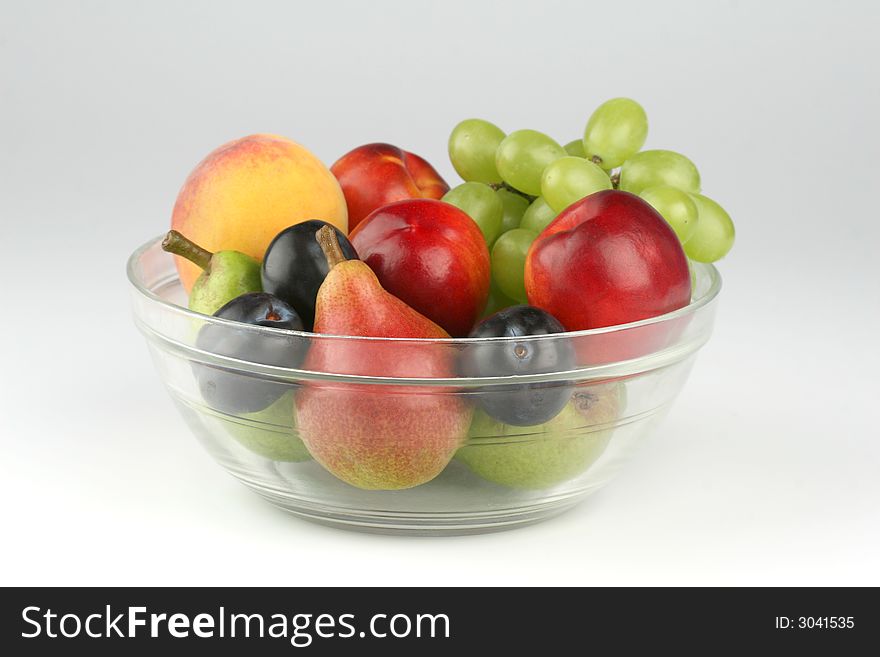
x: 397, y: 448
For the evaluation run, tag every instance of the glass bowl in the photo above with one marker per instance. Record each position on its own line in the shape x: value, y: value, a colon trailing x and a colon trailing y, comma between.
x: 385, y: 434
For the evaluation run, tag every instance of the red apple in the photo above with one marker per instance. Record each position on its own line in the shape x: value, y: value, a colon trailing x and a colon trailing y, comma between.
x: 431, y: 255
x: 374, y: 175
x: 609, y: 259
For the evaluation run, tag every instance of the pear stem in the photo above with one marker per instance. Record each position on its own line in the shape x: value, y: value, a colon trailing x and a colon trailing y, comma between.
x: 329, y: 243
x: 177, y: 244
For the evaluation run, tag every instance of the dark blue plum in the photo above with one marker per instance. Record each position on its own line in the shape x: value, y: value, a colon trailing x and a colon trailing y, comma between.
x: 294, y: 266
x: 230, y: 391
x: 520, y: 404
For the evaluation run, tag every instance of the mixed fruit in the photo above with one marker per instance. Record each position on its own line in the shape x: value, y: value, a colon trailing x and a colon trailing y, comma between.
x: 539, y: 239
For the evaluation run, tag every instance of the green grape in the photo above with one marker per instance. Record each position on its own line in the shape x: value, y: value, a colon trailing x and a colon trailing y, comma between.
x: 693, y: 272
x: 522, y: 158
x: 472, y: 147
x: 509, y: 262
x: 497, y: 301
x: 570, y: 179
x: 481, y: 204
x: 615, y: 132
x: 677, y: 208
x: 714, y: 235
x: 538, y: 216
x: 576, y: 148
x: 514, y: 207
x: 655, y: 168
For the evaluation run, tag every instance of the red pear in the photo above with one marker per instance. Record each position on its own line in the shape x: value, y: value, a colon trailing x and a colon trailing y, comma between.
x: 377, y: 436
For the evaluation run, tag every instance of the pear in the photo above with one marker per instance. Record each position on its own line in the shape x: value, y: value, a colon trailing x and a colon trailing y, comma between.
x: 375, y: 436
x: 271, y: 433
x: 546, y: 454
x: 225, y: 276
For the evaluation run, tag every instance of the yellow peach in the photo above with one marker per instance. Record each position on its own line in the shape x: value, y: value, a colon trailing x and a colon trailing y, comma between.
x: 249, y: 190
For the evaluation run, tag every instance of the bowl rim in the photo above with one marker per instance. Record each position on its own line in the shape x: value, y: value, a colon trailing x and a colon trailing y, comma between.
x: 692, y: 307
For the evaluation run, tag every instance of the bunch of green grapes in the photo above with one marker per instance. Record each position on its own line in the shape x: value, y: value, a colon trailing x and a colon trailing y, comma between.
x: 667, y: 180
x: 497, y: 193
x: 517, y: 183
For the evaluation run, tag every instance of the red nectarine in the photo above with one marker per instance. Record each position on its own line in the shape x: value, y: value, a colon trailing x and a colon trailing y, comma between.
x: 431, y: 255
x: 374, y: 175
x: 609, y: 259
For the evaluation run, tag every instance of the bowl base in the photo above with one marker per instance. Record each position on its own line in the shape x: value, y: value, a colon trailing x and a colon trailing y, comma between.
x: 418, y: 524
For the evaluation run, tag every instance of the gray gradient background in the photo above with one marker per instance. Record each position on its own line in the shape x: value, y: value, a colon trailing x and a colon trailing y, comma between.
x: 766, y: 471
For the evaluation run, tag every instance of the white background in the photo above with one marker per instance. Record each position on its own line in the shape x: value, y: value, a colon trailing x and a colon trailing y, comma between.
x: 767, y: 470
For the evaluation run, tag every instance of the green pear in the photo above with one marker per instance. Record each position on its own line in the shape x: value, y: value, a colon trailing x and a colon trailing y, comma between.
x: 226, y: 275
x: 271, y: 433
x: 546, y: 454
